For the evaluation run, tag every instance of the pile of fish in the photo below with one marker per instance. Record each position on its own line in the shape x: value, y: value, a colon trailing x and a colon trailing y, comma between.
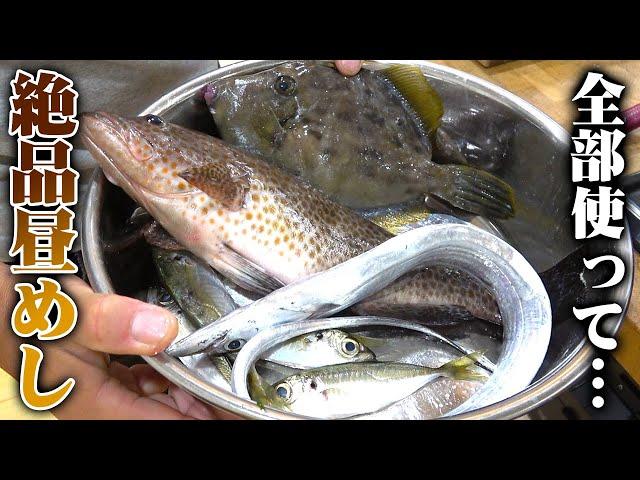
x: 290, y: 217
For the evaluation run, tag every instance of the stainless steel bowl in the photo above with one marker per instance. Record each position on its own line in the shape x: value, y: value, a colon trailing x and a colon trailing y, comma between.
x: 523, y: 145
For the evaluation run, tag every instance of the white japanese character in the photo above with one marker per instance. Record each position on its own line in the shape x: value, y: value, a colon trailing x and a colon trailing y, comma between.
x: 598, y: 212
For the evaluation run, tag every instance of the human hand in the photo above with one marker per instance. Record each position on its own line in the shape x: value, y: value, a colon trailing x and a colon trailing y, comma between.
x: 105, y: 389
x: 348, y: 67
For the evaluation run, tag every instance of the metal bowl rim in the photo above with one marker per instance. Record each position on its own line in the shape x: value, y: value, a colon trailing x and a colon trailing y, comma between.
x: 553, y: 383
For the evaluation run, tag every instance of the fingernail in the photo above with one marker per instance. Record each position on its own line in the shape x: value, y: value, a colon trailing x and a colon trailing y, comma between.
x: 149, y: 326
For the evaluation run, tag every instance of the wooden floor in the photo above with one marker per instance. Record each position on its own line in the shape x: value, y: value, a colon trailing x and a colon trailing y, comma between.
x: 549, y: 85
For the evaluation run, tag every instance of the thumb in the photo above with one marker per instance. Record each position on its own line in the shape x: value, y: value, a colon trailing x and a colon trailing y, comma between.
x: 348, y: 67
x: 117, y: 324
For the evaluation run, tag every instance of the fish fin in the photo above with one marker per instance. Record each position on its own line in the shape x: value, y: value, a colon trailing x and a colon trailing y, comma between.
x: 135, y: 230
x: 140, y: 217
x: 445, y: 150
x: 123, y: 242
x: 262, y: 392
x: 464, y: 368
x: 258, y: 388
x: 473, y: 190
x: 418, y: 92
x: 157, y: 236
x: 244, y: 273
x: 224, y: 183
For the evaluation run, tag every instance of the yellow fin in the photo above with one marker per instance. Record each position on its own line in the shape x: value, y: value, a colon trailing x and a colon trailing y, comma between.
x: 464, y: 368
x: 262, y: 393
x: 414, y: 87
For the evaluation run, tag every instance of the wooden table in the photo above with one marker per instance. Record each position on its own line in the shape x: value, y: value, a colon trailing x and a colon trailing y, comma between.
x: 549, y: 85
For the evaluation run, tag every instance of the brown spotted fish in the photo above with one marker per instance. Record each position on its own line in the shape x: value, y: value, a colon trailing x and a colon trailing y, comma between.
x: 357, y: 139
x: 253, y: 222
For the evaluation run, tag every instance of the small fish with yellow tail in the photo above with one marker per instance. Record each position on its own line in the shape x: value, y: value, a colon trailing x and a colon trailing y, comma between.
x: 342, y: 391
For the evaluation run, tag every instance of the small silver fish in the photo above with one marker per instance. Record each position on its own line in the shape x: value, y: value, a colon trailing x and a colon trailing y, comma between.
x: 404, y: 346
x: 318, y: 349
x: 321, y: 348
x: 350, y: 389
x: 216, y: 370
x: 434, y: 400
x: 194, y: 285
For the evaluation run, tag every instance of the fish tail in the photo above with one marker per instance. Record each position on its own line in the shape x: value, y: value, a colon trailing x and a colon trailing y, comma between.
x: 464, y: 368
x: 259, y: 390
x: 472, y: 190
x: 262, y: 392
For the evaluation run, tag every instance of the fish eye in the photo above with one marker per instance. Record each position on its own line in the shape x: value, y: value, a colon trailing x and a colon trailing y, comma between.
x: 319, y: 335
x: 285, y: 85
x: 154, y: 120
x: 165, y: 297
x: 350, y: 347
x: 234, y: 345
x: 283, y: 391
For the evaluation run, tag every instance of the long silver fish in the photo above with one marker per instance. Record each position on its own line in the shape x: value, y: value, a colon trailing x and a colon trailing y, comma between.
x: 203, y: 299
x: 523, y: 300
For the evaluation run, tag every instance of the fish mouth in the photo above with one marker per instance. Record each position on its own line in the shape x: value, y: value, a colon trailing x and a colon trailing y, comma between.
x: 104, y: 160
x: 93, y: 125
x: 100, y: 124
x: 183, y: 348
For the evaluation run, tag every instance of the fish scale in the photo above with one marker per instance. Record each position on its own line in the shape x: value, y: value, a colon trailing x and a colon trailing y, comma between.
x: 252, y: 220
x: 308, y: 144
x: 364, y: 141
